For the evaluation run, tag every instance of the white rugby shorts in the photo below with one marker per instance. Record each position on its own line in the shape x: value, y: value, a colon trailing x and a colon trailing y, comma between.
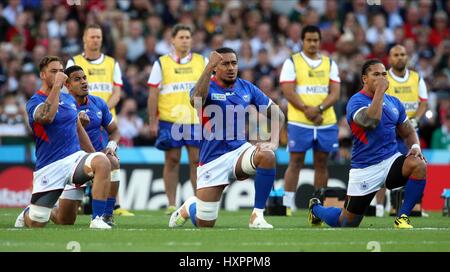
x: 56, y: 175
x: 364, y: 181
x: 218, y: 171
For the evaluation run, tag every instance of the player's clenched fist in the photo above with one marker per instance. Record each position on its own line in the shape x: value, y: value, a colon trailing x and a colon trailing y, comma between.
x: 214, y: 60
x: 381, y: 84
x: 60, y: 78
x: 84, y: 118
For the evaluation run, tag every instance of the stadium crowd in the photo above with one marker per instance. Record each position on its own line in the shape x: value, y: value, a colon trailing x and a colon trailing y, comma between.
x: 264, y: 33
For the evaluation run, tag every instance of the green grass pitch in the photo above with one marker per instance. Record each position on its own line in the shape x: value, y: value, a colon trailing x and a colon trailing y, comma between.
x: 148, y: 231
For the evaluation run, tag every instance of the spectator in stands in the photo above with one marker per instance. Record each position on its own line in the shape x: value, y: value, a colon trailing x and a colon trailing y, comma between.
x: 150, y: 55
x: 12, y: 117
x: 131, y: 125
x: 57, y: 28
x: 263, y: 66
x: 71, y: 42
x: 378, y: 31
x: 441, y: 136
x: 246, y: 58
x: 392, y: 10
x: 135, y: 41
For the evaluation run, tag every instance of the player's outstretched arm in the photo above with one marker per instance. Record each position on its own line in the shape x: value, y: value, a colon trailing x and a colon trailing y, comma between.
x: 85, y: 142
x: 45, y: 113
x: 201, y: 88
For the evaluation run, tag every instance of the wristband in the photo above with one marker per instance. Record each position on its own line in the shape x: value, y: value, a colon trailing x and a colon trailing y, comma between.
x: 112, y: 145
x: 416, y: 146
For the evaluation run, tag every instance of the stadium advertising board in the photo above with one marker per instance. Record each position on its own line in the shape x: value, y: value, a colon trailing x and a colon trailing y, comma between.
x: 142, y: 186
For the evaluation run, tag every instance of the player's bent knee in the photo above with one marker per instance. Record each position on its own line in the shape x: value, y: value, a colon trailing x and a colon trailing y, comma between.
x: 417, y: 164
x: 247, y: 164
x: 266, y: 156
x: 102, y: 160
x: 207, y: 211
x: 39, y: 214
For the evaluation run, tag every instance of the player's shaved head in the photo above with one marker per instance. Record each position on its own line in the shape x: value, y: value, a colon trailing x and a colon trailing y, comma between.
x: 398, y: 58
x: 396, y: 48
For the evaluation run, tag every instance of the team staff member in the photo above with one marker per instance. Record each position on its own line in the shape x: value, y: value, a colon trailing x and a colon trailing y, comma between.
x: 170, y: 81
x: 311, y: 84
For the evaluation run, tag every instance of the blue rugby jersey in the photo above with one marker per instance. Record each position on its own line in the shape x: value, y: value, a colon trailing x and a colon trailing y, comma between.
x: 59, y: 139
x: 373, y: 146
x: 100, y: 117
x: 217, y: 141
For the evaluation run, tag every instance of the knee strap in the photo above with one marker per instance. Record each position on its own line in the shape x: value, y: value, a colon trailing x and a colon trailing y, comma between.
x: 247, y: 164
x: 39, y: 214
x: 207, y: 211
x: 115, y: 175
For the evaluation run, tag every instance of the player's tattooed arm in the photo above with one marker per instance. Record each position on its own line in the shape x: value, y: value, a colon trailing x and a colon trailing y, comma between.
x: 42, y: 114
x: 364, y: 120
x: 201, y: 88
x: 46, y: 112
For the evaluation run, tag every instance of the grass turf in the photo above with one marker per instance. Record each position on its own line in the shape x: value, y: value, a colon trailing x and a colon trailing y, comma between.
x: 148, y: 231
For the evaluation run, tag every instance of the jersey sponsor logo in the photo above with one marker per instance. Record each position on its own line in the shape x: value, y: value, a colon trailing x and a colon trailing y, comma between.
x: 100, y: 87
x: 183, y: 70
x: 314, y: 73
x: 177, y: 87
x: 402, y: 89
x: 16, y: 184
x: 97, y: 71
x: 312, y: 89
x: 220, y: 97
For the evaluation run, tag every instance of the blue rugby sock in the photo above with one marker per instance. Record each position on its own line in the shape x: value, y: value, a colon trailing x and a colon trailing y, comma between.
x: 192, y: 213
x: 413, y: 193
x: 98, y: 208
x: 264, y: 179
x: 110, y: 202
x: 329, y: 215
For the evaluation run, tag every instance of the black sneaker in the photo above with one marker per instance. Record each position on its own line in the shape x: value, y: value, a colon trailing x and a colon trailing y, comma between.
x: 109, y: 219
x: 312, y: 219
